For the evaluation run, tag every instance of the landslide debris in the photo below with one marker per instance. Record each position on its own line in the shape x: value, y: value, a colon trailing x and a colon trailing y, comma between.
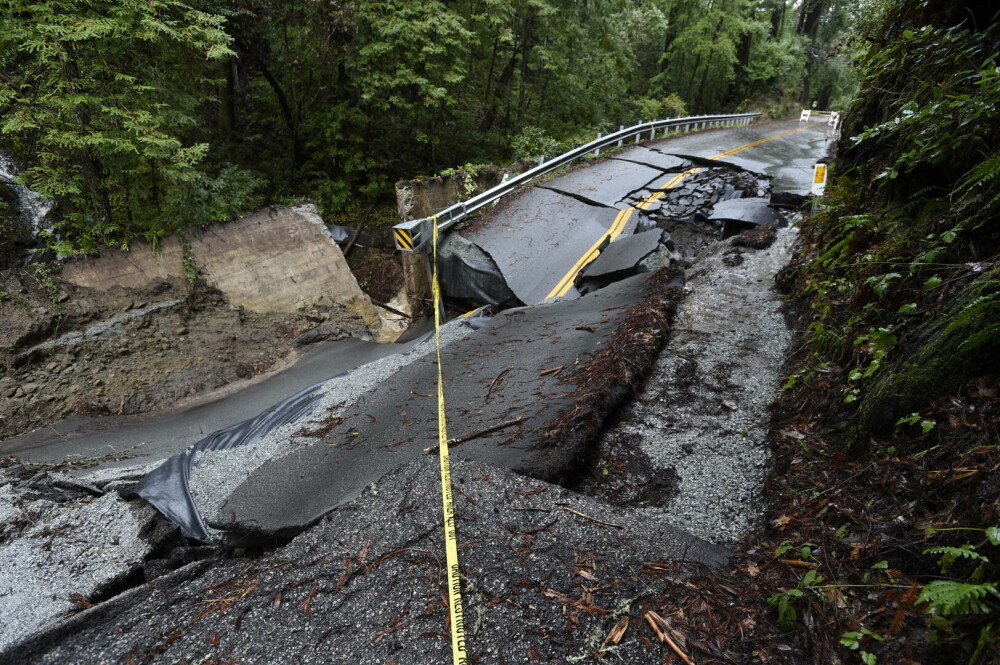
x: 547, y: 575
x: 130, y: 351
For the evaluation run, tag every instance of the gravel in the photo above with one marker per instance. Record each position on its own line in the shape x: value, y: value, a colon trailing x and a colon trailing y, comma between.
x: 69, y: 548
x: 703, y: 414
x: 216, y: 473
x: 546, y: 574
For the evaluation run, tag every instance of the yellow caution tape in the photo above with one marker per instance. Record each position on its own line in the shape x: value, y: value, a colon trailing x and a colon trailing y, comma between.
x: 458, y: 652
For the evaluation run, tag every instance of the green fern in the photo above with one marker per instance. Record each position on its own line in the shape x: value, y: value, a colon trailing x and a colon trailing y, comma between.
x: 951, y: 554
x: 948, y: 598
x: 983, y: 179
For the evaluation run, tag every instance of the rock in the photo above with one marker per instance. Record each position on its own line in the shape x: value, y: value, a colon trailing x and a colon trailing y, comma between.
x: 29, y: 388
x: 760, y: 237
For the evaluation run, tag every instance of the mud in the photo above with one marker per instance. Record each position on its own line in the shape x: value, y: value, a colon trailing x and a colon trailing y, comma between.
x: 67, y: 350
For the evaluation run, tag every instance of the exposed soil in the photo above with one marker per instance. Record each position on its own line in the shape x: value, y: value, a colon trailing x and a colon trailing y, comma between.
x: 67, y: 350
x: 378, y: 271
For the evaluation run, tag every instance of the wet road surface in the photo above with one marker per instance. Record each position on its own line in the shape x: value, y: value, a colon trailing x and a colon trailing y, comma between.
x: 531, y: 237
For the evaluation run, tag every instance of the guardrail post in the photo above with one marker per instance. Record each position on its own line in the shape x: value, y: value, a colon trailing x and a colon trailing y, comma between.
x: 621, y: 140
x: 417, y: 284
x: 541, y: 160
x: 598, y: 151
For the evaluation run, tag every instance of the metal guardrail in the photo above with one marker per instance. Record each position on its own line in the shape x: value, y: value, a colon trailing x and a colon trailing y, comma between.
x: 413, y: 235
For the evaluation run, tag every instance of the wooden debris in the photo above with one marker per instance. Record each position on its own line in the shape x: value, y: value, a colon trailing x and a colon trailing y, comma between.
x: 475, y: 435
x: 615, y: 636
x: 489, y: 389
x: 593, y: 519
x: 306, y: 607
x: 795, y: 563
x: 662, y: 629
x: 553, y: 371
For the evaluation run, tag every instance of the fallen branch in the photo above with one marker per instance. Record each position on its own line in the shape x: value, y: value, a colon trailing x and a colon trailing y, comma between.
x: 354, y: 237
x: 799, y: 564
x: 662, y: 628
x: 476, y: 435
x: 495, y: 379
x: 391, y: 309
x: 592, y: 519
x: 553, y: 371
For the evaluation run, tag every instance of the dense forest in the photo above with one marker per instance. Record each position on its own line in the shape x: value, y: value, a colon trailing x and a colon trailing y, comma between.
x: 143, y: 117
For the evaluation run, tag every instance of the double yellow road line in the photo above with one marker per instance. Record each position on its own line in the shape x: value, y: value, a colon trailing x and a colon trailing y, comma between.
x: 566, y: 283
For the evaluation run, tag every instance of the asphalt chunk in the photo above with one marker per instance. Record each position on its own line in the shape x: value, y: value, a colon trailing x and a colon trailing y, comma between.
x: 546, y: 574
x: 515, y: 367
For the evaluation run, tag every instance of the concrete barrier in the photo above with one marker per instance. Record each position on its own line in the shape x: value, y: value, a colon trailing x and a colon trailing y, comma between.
x: 275, y: 260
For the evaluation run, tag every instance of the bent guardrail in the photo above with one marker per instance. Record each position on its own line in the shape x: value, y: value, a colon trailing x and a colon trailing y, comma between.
x: 413, y: 235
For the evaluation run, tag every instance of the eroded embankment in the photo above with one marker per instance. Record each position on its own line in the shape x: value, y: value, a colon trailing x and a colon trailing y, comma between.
x: 694, y: 443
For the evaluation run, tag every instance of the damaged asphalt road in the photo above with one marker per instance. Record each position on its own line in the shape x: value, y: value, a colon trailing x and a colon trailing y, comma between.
x: 547, y: 571
x: 546, y: 574
x: 519, y: 366
x: 672, y: 183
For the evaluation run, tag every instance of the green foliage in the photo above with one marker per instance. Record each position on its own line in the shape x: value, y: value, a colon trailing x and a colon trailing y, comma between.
x: 144, y: 118
x: 106, y: 102
x: 926, y: 424
x: 649, y: 108
x: 855, y: 638
x: 534, y: 142
x: 783, y: 605
x: 784, y: 601
x: 949, y: 598
x: 44, y: 274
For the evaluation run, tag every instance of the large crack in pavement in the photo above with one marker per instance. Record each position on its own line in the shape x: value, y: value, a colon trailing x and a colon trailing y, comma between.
x: 547, y: 571
x: 510, y: 369
x: 700, y: 424
x: 579, y: 197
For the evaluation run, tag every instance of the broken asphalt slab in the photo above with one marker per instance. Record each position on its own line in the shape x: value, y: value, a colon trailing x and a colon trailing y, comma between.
x: 622, y: 258
x: 60, y: 546
x: 756, y: 211
x: 656, y: 159
x: 522, y: 365
x: 537, y: 236
x: 605, y: 183
x: 546, y: 574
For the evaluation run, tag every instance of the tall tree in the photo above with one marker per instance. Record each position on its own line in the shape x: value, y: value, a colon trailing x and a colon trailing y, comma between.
x: 103, y: 99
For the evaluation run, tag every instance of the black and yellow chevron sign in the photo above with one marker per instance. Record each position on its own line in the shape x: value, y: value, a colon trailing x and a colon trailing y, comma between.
x: 403, y: 239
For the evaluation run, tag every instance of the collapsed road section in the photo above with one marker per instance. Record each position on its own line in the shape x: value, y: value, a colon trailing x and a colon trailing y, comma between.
x: 348, y: 498
x: 541, y: 240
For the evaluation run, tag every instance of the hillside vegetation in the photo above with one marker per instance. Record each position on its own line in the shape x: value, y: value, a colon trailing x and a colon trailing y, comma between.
x: 886, y: 499
x: 141, y: 118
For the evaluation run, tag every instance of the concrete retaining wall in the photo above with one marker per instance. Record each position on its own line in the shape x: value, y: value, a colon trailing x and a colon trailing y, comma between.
x: 275, y: 260
x: 416, y: 199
